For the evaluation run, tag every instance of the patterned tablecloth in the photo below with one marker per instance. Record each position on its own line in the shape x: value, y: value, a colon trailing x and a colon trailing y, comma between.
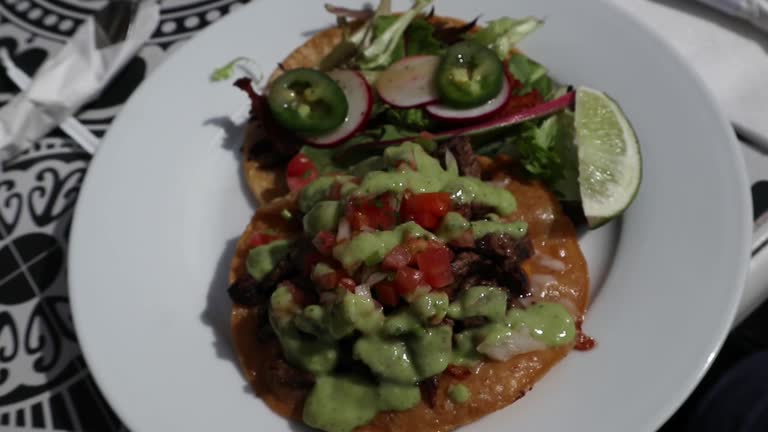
x: 44, y: 383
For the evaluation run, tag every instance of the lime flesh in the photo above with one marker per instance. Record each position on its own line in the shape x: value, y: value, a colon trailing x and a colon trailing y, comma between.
x: 610, y: 167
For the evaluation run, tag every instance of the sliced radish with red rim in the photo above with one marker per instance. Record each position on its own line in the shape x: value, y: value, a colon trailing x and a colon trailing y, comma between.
x: 360, y: 100
x: 409, y: 82
x: 484, y: 111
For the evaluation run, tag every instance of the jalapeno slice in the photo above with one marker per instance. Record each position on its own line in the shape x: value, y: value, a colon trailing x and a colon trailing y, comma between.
x: 469, y: 75
x: 307, y: 101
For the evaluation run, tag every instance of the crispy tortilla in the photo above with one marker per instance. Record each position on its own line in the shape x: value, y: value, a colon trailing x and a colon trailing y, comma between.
x: 269, y: 183
x: 557, y: 271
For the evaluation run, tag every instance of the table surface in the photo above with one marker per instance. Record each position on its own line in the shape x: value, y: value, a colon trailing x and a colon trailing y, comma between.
x: 44, y: 383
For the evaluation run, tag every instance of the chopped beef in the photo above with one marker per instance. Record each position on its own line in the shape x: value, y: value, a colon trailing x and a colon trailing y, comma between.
x: 428, y: 389
x: 460, y: 372
x: 472, y: 322
x: 465, y: 210
x: 282, y: 374
x: 504, y: 246
x: 495, y: 261
x: 465, y: 263
x: 479, y: 211
x: 473, y: 211
x: 461, y: 148
x: 247, y: 291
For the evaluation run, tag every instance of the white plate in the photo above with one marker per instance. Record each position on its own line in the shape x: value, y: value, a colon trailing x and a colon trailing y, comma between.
x: 163, y: 202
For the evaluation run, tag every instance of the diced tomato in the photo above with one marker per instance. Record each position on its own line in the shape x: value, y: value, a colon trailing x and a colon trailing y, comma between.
x: 310, y: 260
x: 301, y: 297
x: 324, y: 241
x: 386, y: 293
x: 328, y: 281
x: 260, y: 239
x: 376, y: 213
x: 426, y: 209
x: 334, y: 193
x: 396, y: 258
x: 415, y: 246
x: 300, y: 172
x: 348, y: 284
x: 407, y: 279
x: 435, y: 263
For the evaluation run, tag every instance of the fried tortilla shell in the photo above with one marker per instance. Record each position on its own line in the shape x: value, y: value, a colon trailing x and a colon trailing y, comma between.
x: 493, y: 385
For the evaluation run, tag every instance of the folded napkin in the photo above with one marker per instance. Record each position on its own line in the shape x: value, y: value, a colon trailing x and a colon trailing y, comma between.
x: 755, y: 11
x: 728, y: 53
x: 70, y: 79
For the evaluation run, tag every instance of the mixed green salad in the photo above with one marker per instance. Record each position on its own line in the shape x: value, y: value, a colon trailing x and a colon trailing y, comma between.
x: 405, y: 77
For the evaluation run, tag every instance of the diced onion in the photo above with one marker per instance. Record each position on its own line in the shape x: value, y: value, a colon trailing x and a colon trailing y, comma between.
x: 518, y: 341
x: 450, y: 162
x: 344, y: 232
x: 550, y: 263
x: 375, y: 278
x: 363, y: 290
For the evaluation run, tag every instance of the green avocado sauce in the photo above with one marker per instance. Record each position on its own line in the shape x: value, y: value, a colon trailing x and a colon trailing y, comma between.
x: 459, y: 393
x: 371, y: 247
x: 400, y: 349
x: 323, y: 216
x: 410, y: 343
x: 262, y: 259
x: 408, y: 167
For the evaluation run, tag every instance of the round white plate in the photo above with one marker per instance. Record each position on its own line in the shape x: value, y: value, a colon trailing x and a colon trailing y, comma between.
x: 163, y: 203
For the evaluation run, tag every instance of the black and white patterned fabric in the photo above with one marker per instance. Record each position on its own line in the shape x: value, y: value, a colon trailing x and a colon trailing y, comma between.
x: 44, y: 382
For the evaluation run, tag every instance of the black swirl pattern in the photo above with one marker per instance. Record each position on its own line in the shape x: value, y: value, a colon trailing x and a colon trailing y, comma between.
x: 9, y: 344
x: 38, y: 191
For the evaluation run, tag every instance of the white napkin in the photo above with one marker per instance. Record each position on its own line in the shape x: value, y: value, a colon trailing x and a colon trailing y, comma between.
x: 755, y: 11
x: 728, y: 53
x: 69, y: 80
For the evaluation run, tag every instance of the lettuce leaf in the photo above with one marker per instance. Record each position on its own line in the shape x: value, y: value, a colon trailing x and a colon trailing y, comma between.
x: 420, y: 39
x: 547, y: 152
x: 415, y: 119
x: 380, y: 26
x: 380, y: 52
x: 531, y: 75
x: 502, y: 34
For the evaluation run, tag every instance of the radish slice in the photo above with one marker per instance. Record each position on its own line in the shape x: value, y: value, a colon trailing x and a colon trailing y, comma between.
x: 360, y: 100
x: 409, y: 82
x: 446, y: 113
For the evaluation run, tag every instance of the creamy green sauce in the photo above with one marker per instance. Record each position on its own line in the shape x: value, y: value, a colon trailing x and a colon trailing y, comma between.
x: 341, y: 403
x: 318, y: 190
x: 408, y: 166
x: 429, y: 176
x: 515, y: 229
x: 371, y: 247
x: 323, y: 216
x: 453, y: 226
x: 480, y: 301
x: 459, y: 393
x: 400, y: 349
x: 262, y: 259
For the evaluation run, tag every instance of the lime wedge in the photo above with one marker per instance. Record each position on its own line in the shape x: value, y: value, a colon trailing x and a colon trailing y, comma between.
x: 609, y: 157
